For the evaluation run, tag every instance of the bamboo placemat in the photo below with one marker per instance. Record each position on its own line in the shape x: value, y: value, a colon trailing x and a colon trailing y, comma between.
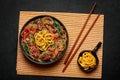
x: 73, y: 23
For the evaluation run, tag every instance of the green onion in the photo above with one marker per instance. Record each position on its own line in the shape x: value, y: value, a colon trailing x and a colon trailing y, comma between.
x: 63, y: 42
x: 25, y: 46
x: 53, y: 45
x: 59, y: 31
x: 58, y: 27
x: 41, y: 51
x: 32, y: 37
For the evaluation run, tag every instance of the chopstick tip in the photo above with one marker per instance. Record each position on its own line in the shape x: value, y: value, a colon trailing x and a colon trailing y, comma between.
x: 95, y: 3
x: 63, y: 70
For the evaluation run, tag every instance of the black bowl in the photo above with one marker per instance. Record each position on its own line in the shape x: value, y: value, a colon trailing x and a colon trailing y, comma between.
x: 90, y: 69
x: 43, y: 62
x: 93, y: 52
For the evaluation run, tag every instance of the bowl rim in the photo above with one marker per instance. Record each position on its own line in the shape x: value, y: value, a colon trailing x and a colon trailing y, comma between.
x: 45, y: 62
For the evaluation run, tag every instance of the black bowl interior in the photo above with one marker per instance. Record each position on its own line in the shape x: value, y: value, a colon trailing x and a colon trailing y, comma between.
x: 44, y: 62
x: 90, y: 69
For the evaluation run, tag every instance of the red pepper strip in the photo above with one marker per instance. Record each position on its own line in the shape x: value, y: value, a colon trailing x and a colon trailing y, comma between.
x: 25, y: 33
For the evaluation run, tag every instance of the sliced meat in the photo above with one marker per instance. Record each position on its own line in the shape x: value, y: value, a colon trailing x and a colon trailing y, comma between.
x: 34, y: 52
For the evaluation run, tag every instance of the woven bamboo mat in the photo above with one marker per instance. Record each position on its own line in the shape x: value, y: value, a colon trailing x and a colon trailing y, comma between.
x: 73, y: 23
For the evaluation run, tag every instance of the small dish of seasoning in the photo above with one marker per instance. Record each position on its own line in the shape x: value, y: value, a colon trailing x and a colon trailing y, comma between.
x: 88, y: 60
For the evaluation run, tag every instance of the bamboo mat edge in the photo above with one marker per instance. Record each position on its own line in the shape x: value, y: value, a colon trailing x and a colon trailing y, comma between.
x: 56, y: 13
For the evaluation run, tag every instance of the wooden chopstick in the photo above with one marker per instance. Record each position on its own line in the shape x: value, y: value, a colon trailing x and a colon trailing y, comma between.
x: 66, y: 59
x: 68, y: 62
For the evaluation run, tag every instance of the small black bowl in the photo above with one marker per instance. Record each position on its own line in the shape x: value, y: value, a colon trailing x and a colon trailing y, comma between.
x: 43, y: 62
x: 93, y: 52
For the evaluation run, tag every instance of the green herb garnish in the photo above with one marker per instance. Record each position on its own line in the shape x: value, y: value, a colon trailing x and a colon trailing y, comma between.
x: 32, y: 37
x: 58, y: 27
x: 25, y: 46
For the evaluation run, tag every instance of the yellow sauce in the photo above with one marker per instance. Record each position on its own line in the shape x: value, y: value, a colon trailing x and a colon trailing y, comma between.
x: 87, y: 60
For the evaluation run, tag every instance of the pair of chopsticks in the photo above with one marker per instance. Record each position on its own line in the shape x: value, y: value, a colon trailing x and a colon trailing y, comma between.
x: 70, y: 57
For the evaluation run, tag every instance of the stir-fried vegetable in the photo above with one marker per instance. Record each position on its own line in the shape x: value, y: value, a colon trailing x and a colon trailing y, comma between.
x: 54, y: 45
x: 60, y: 31
x: 32, y: 37
x: 44, y: 38
x: 58, y: 27
x: 63, y: 42
x: 25, y: 46
x: 41, y: 51
x: 25, y: 33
